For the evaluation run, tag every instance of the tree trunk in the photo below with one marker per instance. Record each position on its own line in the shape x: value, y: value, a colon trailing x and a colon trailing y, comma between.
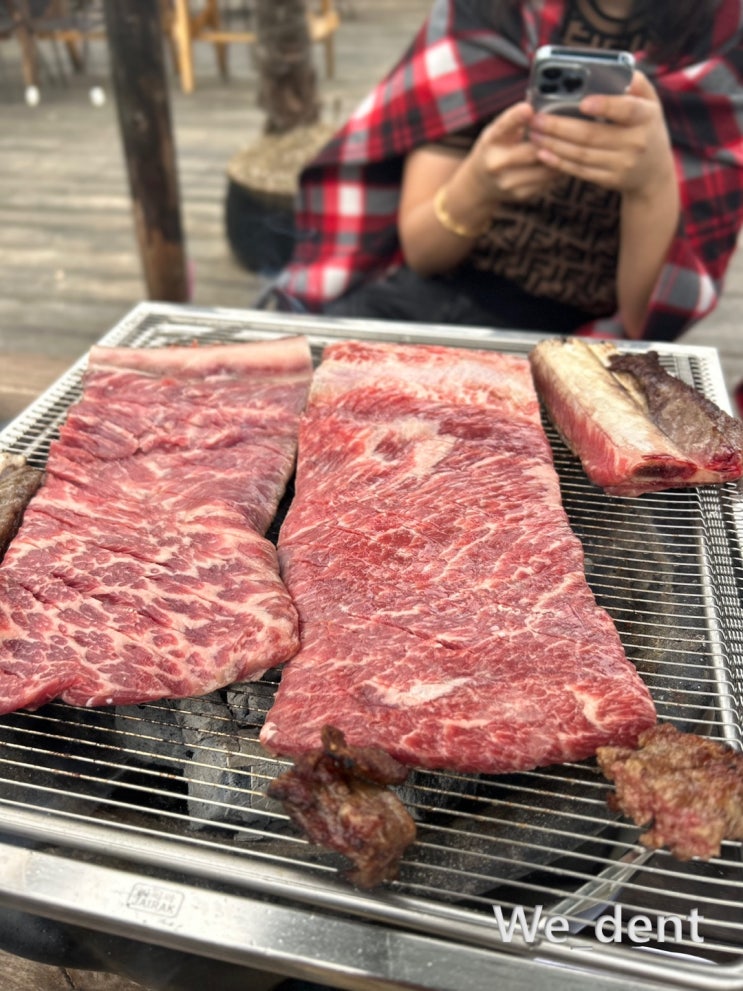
x: 288, y: 82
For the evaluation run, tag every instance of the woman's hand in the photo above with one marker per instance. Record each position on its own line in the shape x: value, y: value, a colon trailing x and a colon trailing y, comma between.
x: 626, y: 148
x: 501, y: 166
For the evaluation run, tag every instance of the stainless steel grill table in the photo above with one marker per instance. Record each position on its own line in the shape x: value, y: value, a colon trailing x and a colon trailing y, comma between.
x: 150, y: 822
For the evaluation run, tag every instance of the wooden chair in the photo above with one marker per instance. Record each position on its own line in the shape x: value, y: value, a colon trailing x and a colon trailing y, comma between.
x: 183, y: 28
x: 70, y: 22
x: 16, y: 25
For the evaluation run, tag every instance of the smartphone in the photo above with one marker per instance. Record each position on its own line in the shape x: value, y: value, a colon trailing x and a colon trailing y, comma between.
x: 561, y: 76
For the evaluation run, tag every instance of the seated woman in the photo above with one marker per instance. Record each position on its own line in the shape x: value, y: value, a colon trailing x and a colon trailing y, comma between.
x: 445, y: 198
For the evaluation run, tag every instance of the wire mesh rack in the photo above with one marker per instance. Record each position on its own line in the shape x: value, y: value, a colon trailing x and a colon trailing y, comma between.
x: 531, y: 869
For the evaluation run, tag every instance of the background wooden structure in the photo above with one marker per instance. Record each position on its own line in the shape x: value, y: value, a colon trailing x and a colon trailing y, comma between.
x: 187, y: 24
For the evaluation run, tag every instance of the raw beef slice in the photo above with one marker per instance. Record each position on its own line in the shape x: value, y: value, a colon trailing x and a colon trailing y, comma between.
x: 141, y: 570
x: 444, y: 611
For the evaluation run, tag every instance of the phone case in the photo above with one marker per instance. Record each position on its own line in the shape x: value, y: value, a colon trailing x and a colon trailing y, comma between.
x: 561, y: 77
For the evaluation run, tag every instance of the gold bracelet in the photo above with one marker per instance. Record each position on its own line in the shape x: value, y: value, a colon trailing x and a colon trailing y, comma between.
x: 449, y: 223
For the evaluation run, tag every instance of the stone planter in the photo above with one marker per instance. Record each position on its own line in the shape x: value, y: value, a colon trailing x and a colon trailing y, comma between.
x: 262, y: 183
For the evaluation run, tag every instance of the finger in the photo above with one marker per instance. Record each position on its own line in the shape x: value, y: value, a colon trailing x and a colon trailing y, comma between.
x: 633, y: 107
x: 498, y: 158
x: 533, y: 190
x: 556, y: 126
x: 587, y: 148
x: 521, y: 185
x: 511, y: 124
x: 600, y: 169
x: 527, y: 179
x: 601, y: 148
x: 642, y: 87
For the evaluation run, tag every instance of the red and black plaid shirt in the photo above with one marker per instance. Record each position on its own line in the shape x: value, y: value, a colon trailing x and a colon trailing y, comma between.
x: 457, y: 72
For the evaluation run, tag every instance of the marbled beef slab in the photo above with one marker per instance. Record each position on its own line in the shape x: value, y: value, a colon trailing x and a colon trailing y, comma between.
x: 444, y: 611
x: 141, y: 570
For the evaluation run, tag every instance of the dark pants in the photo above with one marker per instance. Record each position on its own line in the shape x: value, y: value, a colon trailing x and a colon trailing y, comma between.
x: 477, y: 299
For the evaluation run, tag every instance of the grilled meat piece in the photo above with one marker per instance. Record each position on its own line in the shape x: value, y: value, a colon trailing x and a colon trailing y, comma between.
x: 18, y: 482
x: 635, y: 428
x: 337, y: 795
x: 687, y: 789
x: 706, y: 433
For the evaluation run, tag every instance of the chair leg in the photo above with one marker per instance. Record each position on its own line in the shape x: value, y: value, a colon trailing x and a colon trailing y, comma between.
x: 73, y: 53
x: 327, y: 23
x: 29, y: 64
x: 182, y: 42
x: 166, y: 19
x: 29, y: 52
x: 330, y: 56
x: 60, y: 10
x: 213, y: 20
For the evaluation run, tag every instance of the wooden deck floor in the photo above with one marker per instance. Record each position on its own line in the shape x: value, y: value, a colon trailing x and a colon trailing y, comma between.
x: 70, y: 267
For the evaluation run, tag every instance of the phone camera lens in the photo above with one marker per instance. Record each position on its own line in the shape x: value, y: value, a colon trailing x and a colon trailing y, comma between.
x: 547, y: 89
x: 572, y: 83
x: 552, y: 72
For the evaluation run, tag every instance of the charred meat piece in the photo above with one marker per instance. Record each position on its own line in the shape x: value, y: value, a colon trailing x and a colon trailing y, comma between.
x: 705, y: 432
x: 687, y: 789
x: 337, y: 795
x: 635, y: 427
x: 18, y: 482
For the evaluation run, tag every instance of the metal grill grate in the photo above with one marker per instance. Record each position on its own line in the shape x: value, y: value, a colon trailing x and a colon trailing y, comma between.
x: 184, y: 783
